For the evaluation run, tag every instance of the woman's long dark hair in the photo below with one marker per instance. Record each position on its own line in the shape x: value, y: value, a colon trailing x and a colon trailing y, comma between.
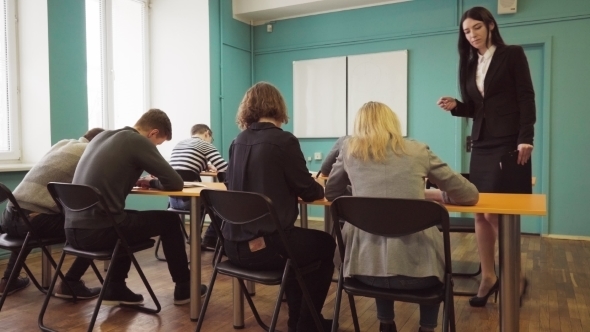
x: 468, y: 53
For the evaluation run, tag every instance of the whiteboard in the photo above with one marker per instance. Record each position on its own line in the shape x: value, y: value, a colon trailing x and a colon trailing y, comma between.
x: 381, y: 77
x: 319, y: 97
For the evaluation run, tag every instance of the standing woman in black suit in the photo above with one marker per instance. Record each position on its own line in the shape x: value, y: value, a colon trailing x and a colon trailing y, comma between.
x: 497, y: 92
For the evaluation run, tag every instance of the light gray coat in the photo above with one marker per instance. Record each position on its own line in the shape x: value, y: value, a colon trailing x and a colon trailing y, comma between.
x: 399, y: 176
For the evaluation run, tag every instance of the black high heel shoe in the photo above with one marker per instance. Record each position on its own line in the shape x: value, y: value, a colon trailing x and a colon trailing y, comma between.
x: 481, y: 301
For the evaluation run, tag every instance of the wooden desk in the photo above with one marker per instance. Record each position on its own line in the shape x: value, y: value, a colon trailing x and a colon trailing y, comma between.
x: 509, y: 207
x: 195, y: 237
x: 211, y: 174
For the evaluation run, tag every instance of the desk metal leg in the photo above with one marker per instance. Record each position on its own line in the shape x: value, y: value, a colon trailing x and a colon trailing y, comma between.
x: 195, y: 258
x: 303, y: 215
x: 327, y: 220
x: 509, y: 238
x: 46, y: 269
x: 238, y: 305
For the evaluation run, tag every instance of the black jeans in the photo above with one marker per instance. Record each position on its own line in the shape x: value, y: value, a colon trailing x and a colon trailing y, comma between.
x: 45, y: 225
x: 308, y: 246
x: 136, y: 227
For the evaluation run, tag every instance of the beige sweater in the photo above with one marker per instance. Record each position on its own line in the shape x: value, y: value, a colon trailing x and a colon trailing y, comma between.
x: 57, y: 165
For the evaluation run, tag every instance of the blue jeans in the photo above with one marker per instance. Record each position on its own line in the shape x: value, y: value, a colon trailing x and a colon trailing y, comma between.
x: 428, y: 313
x: 184, y: 203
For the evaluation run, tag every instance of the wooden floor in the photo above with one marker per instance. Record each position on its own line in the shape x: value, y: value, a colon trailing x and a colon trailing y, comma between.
x: 558, y: 299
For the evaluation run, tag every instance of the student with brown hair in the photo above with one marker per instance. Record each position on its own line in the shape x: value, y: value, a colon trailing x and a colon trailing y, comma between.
x: 265, y: 159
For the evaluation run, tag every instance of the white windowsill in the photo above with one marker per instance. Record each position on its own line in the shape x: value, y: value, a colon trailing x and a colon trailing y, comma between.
x: 16, y: 167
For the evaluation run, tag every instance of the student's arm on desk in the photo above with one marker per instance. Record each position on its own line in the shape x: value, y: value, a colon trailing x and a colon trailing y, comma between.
x: 338, y: 184
x: 297, y: 174
x: 454, y: 188
x: 149, y: 158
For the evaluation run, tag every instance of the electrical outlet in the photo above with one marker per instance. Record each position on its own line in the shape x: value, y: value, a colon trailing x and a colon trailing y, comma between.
x: 317, y: 156
x: 308, y: 158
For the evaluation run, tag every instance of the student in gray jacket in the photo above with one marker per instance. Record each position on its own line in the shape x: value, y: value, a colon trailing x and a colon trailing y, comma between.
x: 378, y: 162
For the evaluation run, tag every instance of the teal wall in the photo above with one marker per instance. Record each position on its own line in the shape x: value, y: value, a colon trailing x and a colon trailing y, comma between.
x: 552, y: 32
x: 67, y: 68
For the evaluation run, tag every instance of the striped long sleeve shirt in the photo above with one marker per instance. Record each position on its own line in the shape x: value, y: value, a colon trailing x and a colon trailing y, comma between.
x: 193, y: 154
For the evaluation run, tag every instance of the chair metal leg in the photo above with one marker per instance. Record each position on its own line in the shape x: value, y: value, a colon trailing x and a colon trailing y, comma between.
x: 98, y: 275
x: 253, y: 307
x: 208, y: 296
x: 468, y: 274
x: 48, y: 295
x: 149, y: 289
x: 355, y: 319
x: 337, y: 302
x: 157, y: 249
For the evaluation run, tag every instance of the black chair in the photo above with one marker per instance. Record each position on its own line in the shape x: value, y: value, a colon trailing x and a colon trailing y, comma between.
x: 31, y: 241
x: 77, y: 198
x: 392, y: 217
x: 239, y: 208
x: 461, y: 225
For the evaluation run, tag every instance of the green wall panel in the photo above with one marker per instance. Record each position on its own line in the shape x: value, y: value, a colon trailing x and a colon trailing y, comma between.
x: 67, y: 68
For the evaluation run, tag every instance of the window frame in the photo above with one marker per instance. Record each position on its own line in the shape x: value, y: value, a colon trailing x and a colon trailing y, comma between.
x: 13, y: 93
x: 108, y: 74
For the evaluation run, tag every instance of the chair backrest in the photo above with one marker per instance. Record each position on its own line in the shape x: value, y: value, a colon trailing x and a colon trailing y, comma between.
x: 238, y: 207
x: 187, y: 175
x: 391, y: 217
x: 74, y: 197
x: 77, y: 198
x: 6, y: 194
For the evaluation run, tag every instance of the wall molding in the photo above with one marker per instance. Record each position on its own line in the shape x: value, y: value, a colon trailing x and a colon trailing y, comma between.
x: 412, y: 34
x: 566, y: 237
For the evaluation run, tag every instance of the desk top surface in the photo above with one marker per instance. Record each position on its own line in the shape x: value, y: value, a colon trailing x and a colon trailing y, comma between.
x: 193, y: 191
x: 521, y: 204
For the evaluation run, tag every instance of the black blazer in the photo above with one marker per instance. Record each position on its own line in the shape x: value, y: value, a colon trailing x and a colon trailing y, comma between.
x: 508, y: 105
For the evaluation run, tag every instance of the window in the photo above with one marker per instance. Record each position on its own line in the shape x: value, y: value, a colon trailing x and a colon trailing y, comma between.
x: 116, y: 53
x: 9, y: 108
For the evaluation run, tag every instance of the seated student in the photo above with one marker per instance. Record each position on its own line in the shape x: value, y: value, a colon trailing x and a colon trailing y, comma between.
x: 31, y: 194
x: 265, y: 159
x: 326, y: 167
x: 379, y: 162
x: 197, y: 154
x: 113, y: 163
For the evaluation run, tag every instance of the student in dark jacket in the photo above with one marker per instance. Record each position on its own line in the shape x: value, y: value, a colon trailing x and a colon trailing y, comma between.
x: 265, y: 159
x: 497, y: 92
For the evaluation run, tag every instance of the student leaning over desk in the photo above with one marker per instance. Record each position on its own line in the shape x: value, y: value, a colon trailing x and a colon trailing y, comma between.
x: 379, y: 162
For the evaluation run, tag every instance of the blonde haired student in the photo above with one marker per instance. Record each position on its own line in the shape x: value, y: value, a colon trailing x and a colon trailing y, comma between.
x: 378, y: 161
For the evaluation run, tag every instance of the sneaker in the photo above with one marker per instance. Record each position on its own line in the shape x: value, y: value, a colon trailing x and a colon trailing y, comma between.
x: 208, y: 243
x: 182, y: 293
x: 17, y: 284
x: 387, y: 327
x: 82, y: 292
x: 118, y: 293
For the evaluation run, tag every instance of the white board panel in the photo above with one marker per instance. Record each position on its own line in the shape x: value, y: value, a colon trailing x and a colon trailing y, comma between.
x: 319, y: 98
x: 381, y: 77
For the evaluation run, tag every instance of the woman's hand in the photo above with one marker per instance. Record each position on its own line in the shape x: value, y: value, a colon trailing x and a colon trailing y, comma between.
x: 447, y: 103
x: 524, y: 153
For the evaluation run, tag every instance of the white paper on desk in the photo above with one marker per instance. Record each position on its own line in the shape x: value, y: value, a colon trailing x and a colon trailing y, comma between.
x: 188, y: 184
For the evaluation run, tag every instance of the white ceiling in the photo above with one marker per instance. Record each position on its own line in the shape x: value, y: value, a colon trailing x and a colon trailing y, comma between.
x: 258, y: 12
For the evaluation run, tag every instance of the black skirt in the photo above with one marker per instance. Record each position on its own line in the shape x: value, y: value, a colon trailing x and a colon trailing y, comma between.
x: 484, y: 168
